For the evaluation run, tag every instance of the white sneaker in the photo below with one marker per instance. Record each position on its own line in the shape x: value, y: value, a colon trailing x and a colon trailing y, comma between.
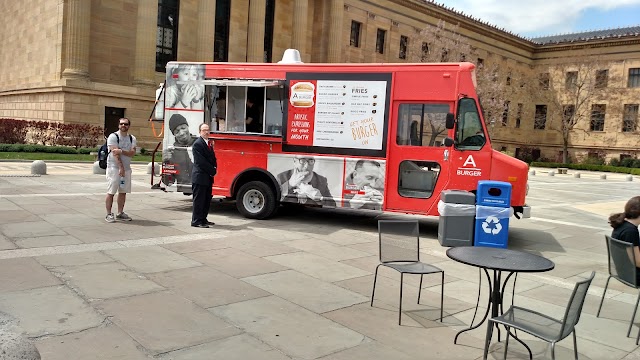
x: 110, y: 218
x: 123, y: 217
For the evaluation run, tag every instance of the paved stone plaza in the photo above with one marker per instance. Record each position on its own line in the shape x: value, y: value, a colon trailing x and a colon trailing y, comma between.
x: 294, y: 287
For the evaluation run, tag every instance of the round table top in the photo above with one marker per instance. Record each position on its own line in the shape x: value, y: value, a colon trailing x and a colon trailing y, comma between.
x: 500, y: 259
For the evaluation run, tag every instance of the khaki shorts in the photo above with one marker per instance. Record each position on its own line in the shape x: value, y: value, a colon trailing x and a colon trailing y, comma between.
x: 113, y: 181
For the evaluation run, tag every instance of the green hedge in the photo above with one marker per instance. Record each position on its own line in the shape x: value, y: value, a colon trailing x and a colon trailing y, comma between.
x: 588, y: 167
x: 44, y: 149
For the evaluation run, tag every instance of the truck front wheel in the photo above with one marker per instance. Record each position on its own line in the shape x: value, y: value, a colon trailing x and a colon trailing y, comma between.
x: 256, y: 200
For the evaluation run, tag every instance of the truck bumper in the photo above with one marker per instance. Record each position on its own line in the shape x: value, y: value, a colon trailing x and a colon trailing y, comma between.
x: 526, y: 212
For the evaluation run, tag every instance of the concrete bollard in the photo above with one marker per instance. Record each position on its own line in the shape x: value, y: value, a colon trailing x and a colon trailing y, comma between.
x: 576, y: 175
x: 156, y: 168
x: 532, y: 172
x: 603, y: 176
x: 552, y: 173
x: 14, y: 346
x: 38, y: 167
x: 629, y: 177
x: 98, y: 170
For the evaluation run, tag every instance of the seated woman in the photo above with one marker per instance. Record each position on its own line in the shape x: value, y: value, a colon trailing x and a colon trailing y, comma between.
x: 625, y: 228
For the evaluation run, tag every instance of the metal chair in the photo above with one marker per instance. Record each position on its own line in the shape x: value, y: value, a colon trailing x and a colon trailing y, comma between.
x: 622, y: 267
x: 542, y: 326
x: 400, y: 250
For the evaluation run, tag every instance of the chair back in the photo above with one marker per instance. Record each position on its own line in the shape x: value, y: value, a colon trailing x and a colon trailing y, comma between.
x: 622, y: 261
x: 574, y: 309
x: 399, y: 240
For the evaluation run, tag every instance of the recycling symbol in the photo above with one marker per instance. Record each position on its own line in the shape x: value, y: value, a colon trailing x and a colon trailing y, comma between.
x: 491, y: 225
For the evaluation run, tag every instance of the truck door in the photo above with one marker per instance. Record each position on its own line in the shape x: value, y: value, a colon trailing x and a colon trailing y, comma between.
x: 418, y: 165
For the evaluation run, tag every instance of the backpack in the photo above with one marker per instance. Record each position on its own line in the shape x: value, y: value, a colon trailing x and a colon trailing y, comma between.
x: 103, y: 151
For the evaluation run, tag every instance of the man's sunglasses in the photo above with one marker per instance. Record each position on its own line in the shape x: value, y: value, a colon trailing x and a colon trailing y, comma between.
x: 125, y: 124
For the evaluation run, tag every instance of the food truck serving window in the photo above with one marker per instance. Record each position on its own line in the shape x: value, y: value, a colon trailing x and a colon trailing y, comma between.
x: 238, y: 108
x: 422, y: 124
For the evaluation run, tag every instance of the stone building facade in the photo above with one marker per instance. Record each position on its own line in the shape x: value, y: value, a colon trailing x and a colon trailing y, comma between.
x: 93, y: 61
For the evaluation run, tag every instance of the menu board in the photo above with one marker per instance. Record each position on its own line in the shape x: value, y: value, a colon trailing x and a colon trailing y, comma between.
x: 337, y: 113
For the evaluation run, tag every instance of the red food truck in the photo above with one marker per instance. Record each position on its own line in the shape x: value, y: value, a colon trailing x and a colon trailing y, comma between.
x: 386, y: 137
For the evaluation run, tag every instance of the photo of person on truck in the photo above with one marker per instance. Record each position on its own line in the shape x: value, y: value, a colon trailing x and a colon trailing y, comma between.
x: 185, y: 96
x: 176, y: 158
x: 364, y: 186
x: 303, y: 185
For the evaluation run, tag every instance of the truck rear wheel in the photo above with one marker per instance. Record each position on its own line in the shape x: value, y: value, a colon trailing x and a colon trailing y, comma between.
x: 256, y: 200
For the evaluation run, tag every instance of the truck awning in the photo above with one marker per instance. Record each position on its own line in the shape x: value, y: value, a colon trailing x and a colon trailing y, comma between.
x: 235, y: 82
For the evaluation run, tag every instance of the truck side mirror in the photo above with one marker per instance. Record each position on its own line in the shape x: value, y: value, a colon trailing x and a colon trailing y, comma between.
x: 450, y: 122
x: 448, y: 142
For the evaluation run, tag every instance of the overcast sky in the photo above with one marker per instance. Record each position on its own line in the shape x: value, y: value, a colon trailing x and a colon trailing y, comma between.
x: 550, y: 17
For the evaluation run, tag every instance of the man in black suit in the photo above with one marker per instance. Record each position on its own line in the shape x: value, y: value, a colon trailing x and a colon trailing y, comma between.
x: 204, y: 169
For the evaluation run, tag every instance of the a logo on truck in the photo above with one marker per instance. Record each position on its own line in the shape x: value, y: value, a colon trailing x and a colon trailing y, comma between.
x: 302, y: 94
x: 469, y: 168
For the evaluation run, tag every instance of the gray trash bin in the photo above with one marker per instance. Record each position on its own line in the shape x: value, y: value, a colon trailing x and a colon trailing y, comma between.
x: 457, y: 218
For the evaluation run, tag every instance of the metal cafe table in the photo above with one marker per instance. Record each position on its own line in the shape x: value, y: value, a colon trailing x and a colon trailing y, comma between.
x: 498, y: 260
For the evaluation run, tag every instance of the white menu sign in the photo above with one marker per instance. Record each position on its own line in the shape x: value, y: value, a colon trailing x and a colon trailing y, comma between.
x: 350, y: 114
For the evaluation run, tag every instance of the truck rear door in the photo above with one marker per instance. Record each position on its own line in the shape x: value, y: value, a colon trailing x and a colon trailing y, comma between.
x: 418, y: 166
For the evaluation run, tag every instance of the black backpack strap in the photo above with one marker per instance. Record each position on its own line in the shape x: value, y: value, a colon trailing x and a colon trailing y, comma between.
x: 117, y: 137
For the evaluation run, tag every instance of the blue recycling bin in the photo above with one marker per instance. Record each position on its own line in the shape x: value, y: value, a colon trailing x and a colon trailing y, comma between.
x: 493, y: 193
x: 492, y: 226
x: 493, y: 209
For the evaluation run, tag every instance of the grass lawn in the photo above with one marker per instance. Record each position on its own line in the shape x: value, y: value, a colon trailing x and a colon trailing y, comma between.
x: 67, y: 157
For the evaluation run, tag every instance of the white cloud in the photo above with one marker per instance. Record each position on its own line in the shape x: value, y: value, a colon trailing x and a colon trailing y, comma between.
x: 541, y: 16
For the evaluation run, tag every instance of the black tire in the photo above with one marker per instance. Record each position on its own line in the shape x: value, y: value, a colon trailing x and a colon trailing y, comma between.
x: 256, y: 200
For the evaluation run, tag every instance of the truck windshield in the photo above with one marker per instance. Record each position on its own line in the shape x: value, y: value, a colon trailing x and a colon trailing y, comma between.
x: 469, y: 131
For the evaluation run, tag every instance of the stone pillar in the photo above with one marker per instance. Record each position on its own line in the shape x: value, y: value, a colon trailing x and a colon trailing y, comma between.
x: 255, y: 38
x: 146, y: 33
x: 77, y: 30
x: 206, y: 30
x: 299, y: 30
x: 335, y: 32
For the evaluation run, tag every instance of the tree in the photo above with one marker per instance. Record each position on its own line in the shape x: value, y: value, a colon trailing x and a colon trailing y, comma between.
x: 576, y: 94
x: 443, y: 43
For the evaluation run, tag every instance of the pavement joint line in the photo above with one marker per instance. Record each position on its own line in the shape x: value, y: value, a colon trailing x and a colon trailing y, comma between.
x: 560, y: 222
x: 69, y: 194
x: 107, y: 245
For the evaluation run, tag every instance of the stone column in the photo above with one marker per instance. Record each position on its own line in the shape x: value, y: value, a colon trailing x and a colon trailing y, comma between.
x: 77, y: 30
x: 206, y: 30
x: 299, y: 30
x: 146, y: 33
x: 255, y: 38
x: 335, y: 32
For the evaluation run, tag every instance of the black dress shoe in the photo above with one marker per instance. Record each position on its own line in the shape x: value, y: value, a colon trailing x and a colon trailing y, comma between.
x: 200, y: 225
x: 210, y: 222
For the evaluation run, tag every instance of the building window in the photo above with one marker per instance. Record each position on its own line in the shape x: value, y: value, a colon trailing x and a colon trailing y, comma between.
x: 519, y: 115
x: 602, y: 78
x: 480, y: 62
x: 568, y: 112
x: 630, y: 118
x: 544, y: 81
x: 167, y: 35
x: 634, y: 78
x: 444, y: 55
x: 509, y: 79
x: 571, y: 80
x: 381, y: 34
x: 505, y: 113
x: 425, y: 52
x: 221, y: 34
x: 268, y: 30
x: 540, y: 119
x: 403, y: 47
x: 597, y: 117
x: 355, y: 33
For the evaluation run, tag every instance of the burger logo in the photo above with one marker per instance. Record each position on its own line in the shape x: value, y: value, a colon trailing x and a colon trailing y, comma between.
x: 302, y: 94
